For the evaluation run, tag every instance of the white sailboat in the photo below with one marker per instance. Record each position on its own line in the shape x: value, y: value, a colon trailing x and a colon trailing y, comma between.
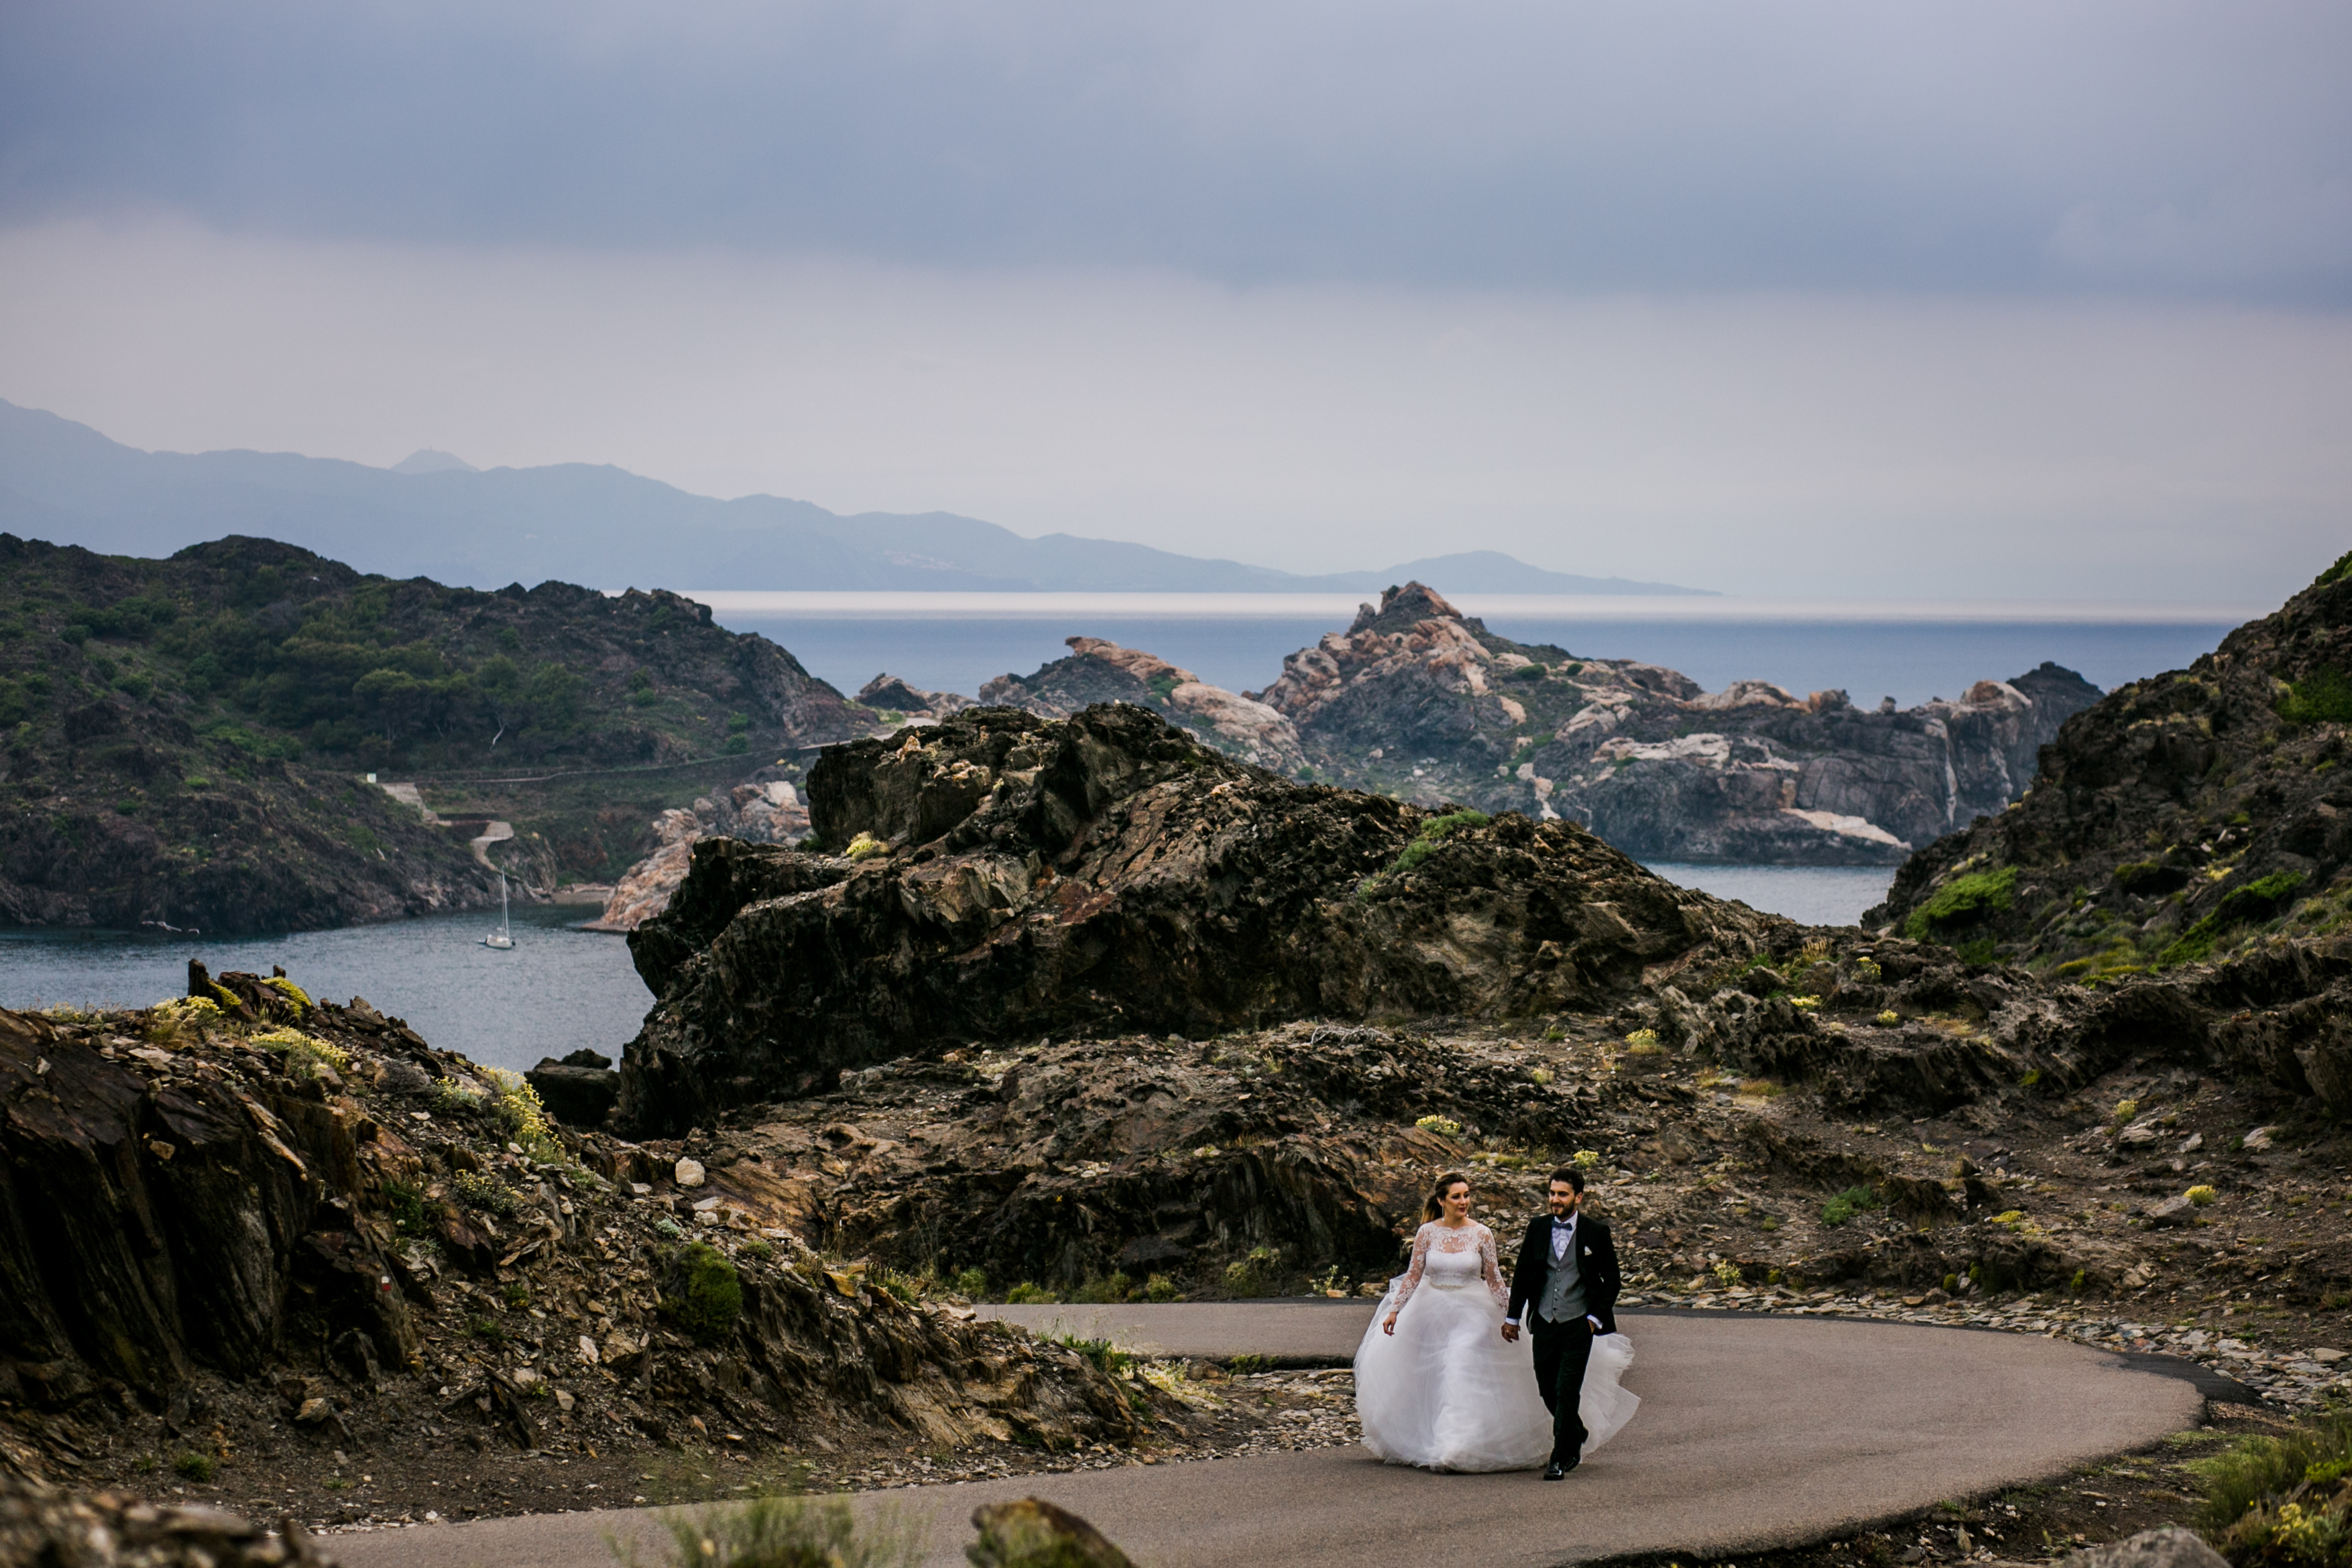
x: 502, y: 937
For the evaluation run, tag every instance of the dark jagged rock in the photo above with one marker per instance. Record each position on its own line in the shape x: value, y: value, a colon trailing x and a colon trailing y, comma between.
x: 2184, y: 816
x: 577, y: 1093
x: 888, y: 692
x: 148, y: 1223
x: 1000, y: 876
x: 1418, y: 699
x: 323, y: 1234
x: 1286, y: 1152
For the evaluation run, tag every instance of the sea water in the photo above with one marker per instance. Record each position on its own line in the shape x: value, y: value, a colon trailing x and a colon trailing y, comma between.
x: 556, y: 991
x: 1809, y: 894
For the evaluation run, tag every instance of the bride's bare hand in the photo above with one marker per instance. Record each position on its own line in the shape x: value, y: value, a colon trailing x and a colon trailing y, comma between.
x: 1390, y: 1326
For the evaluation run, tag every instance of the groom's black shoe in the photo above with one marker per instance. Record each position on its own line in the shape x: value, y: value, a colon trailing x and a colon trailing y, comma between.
x: 1557, y: 1471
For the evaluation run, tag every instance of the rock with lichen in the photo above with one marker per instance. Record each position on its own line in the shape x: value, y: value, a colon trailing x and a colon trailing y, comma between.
x: 1007, y: 876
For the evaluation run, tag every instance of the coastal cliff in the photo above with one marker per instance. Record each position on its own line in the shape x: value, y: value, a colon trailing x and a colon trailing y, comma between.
x: 2187, y: 817
x: 184, y: 741
x: 1417, y: 699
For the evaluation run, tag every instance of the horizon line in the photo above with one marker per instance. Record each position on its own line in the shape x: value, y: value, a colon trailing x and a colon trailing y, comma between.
x: 919, y: 603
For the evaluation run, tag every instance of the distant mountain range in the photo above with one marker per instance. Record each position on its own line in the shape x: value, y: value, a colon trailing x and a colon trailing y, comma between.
x: 434, y: 515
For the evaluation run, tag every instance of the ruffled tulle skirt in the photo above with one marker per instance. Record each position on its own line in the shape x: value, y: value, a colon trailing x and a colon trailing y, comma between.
x: 1447, y: 1392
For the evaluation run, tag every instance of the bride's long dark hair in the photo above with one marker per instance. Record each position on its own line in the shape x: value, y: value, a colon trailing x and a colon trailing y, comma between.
x: 1435, y: 1208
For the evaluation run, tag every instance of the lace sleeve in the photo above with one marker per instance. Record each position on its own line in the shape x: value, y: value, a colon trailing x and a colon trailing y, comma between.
x: 1412, y: 1274
x: 1492, y: 1269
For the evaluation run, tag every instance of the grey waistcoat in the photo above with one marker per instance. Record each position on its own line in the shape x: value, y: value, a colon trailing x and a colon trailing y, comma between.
x: 1563, y: 1294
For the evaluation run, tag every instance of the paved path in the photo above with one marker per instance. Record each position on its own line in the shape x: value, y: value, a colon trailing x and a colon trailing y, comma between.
x: 1754, y: 1432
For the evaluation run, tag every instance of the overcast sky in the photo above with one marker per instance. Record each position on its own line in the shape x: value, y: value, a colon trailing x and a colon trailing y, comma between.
x: 2045, y: 299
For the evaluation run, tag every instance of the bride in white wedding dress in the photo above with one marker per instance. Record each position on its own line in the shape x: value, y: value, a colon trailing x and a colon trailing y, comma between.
x: 1437, y: 1384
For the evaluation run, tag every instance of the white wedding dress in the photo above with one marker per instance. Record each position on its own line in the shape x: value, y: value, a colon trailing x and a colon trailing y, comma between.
x: 1446, y: 1391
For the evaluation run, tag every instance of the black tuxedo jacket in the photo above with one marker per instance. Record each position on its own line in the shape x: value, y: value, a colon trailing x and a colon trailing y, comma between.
x: 1596, y: 1264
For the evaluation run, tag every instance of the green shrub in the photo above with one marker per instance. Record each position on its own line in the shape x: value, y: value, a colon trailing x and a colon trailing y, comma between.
x: 406, y: 1206
x: 2283, y: 1499
x: 1108, y: 1358
x: 2257, y: 900
x: 1253, y: 1275
x: 1112, y: 1288
x: 905, y: 1289
x: 1529, y: 673
x: 194, y: 1466
x: 488, y: 1329
x: 2150, y: 878
x: 2336, y: 573
x: 1434, y: 832
x: 1963, y: 901
x: 485, y: 1191
x: 1853, y: 1201
x: 973, y: 1283
x: 1160, y: 1288
x: 704, y: 1296
x: 1025, y: 1292
x: 2323, y: 697
x: 794, y: 1532
x: 518, y: 1108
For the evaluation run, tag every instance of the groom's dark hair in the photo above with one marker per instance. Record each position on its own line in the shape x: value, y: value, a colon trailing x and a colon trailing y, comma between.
x: 1571, y: 1175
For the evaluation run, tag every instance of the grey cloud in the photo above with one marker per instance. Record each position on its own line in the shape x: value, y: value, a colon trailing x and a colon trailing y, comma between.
x: 2011, y: 146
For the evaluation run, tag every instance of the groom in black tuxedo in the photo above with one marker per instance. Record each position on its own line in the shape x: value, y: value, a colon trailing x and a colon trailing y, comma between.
x: 1568, y: 1273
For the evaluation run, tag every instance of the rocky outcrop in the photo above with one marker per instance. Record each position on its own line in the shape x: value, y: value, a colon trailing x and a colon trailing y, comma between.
x: 2183, y: 817
x: 887, y: 694
x: 1283, y: 1153
x: 579, y: 1091
x: 298, y: 1227
x: 47, y: 1527
x: 1417, y: 699
x: 1000, y: 876
x: 1102, y: 671
x: 758, y: 813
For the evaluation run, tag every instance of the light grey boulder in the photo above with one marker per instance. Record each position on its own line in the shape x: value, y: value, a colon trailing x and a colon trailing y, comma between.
x: 2166, y: 1547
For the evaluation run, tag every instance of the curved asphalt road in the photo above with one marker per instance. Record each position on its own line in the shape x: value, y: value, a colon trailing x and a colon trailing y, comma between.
x: 1754, y: 1432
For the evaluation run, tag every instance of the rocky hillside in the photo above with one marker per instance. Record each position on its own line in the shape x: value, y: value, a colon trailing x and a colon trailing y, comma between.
x: 1102, y: 671
x: 268, y: 1233
x: 1835, y: 1121
x: 2190, y: 816
x: 1418, y: 700
x: 184, y: 738
x: 997, y: 877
